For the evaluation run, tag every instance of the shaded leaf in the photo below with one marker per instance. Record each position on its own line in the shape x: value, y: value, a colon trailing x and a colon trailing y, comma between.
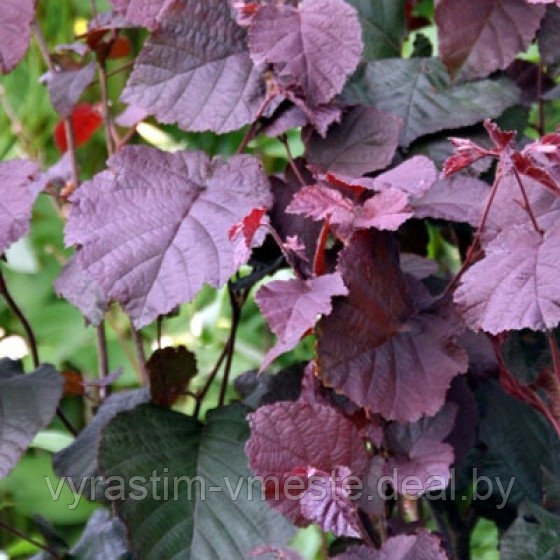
x: 300, y: 43
x: 192, y: 525
x: 80, y: 290
x: 380, y: 349
x: 170, y: 370
x: 383, y: 27
x: 365, y: 141
x: 16, y: 17
x: 419, y: 91
x: 78, y: 461
x: 478, y: 37
x: 549, y: 42
x: 27, y: 405
x: 195, y: 70
x: 154, y: 227
x: 66, y: 87
x: 419, y: 453
x: 515, y: 285
x: 291, y: 308
x: 17, y: 177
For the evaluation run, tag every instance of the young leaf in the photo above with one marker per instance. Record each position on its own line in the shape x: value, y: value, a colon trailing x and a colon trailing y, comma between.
x: 423, y: 546
x: 213, y: 489
x: 80, y: 290
x: 291, y: 308
x: 66, y: 87
x: 153, y: 228
x: 78, y: 461
x: 478, y: 37
x: 27, y: 405
x: 515, y: 285
x: 288, y: 438
x: 17, y: 196
x: 16, y: 17
x: 420, y: 91
x: 380, y: 350
x: 300, y: 44
x: 365, y: 141
x: 195, y: 70
x: 419, y: 453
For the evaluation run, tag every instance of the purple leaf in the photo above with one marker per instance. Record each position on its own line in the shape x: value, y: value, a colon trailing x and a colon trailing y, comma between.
x: 274, y: 553
x: 17, y: 196
x: 419, y: 454
x: 478, y: 37
x: 80, y: 290
x: 195, y: 70
x: 66, y: 87
x: 387, y: 210
x: 289, y: 437
x: 380, y: 350
x: 366, y: 140
x: 328, y: 502
x: 414, y: 177
x: 417, y: 266
x: 423, y: 546
x: 27, y: 405
x: 16, y: 17
x: 146, y: 13
x: 153, y: 228
x: 317, y: 45
x: 459, y: 198
x: 515, y: 286
x: 131, y: 116
x: 291, y: 308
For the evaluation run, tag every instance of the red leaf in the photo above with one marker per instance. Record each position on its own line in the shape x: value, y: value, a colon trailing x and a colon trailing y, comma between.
x: 85, y: 120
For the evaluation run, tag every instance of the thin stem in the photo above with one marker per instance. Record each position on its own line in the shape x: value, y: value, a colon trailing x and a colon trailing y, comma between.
x: 211, y: 376
x: 541, y: 120
x: 159, y: 328
x: 102, y: 359
x: 140, y: 354
x: 105, y: 106
x: 19, y: 534
x: 554, y: 353
x: 280, y: 243
x: 236, y: 315
x: 16, y: 124
x: 474, y: 248
x: 30, y: 335
x: 527, y: 204
x: 284, y: 140
x: 255, y: 126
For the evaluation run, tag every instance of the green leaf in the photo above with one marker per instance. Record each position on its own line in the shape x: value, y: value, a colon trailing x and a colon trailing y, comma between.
x: 383, y: 25
x: 517, y: 442
x: 535, y: 535
x: 199, y: 520
x: 27, y: 405
x: 420, y: 91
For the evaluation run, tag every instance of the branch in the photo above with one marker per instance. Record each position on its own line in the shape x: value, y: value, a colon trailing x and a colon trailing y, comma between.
x: 140, y: 354
x: 19, y: 534
x: 527, y: 204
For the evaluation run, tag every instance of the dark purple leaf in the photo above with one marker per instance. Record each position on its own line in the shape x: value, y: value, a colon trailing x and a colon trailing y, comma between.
x: 478, y: 37
x: 80, y: 290
x: 515, y: 286
x: 365, y: 141
x: 195, y: 70
x: 459, y: 198
x: 170, y: 370
x: 66, y: 87
x: 291, y: 308
x: 419, y: 454
x: 146, y: 13
x: 153, y: 228
x: 423, y: 546
x: 549, y: 45
x: 27, y: 405
x: 289, y: 437
x: 380, y: 350
x: 417, y: 266
x: 16, y: 17
x: 17, y: 196
x: 316, y: 45
x: 328, y: 501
